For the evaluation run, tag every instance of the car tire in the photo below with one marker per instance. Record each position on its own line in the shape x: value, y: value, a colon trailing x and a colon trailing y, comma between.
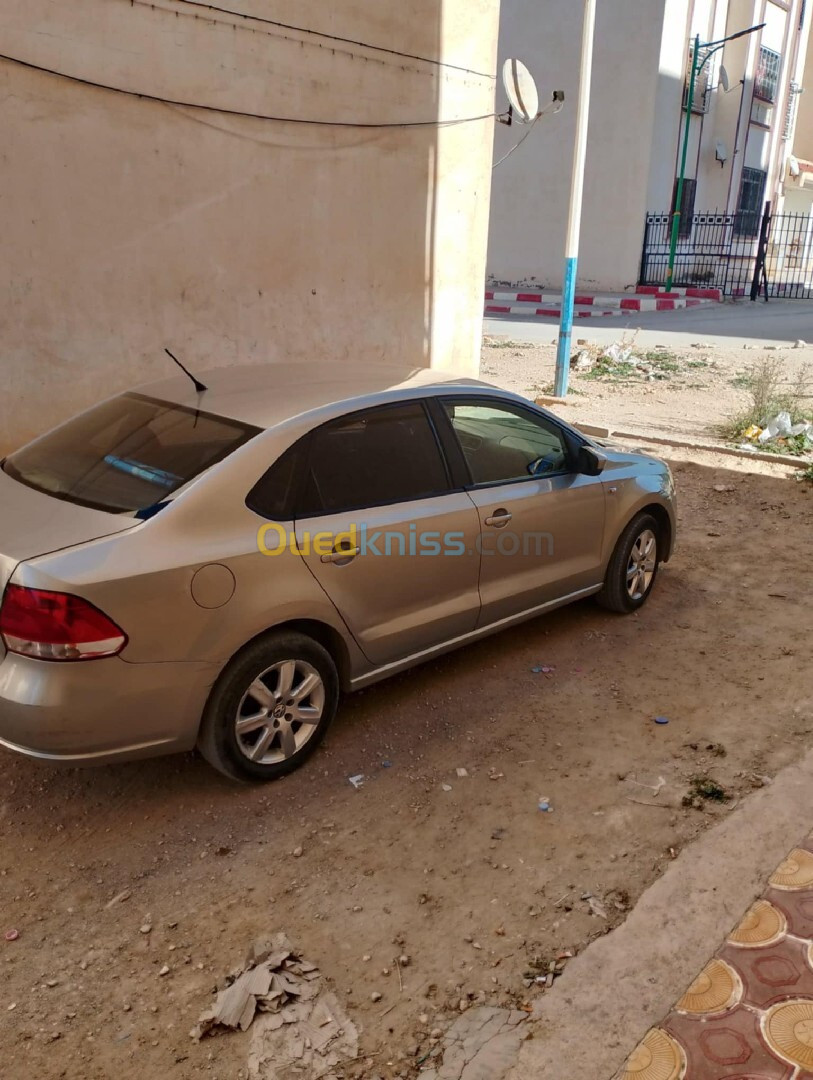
x: 633, y: 567
x: 270, y: 708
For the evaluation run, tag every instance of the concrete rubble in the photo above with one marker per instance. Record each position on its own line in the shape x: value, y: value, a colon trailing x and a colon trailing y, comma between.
x: 300, y: 1025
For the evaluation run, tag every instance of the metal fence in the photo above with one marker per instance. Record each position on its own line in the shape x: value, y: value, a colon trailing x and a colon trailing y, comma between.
x: 735, y: 253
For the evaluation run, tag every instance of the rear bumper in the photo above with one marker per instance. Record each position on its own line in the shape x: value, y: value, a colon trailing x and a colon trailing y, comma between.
x: 100, y: 711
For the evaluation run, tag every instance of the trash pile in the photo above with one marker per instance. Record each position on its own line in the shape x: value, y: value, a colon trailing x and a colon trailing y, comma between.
x: 297, y: 1024
x: 779, y: 433
x: 620, y: 361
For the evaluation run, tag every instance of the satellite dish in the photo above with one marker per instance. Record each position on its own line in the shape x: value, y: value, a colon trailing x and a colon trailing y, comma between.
x: 724, y: 80
x: 521, y: 90
x: 721, y: 152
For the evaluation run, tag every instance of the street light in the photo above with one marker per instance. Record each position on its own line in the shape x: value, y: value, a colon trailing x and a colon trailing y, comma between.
x: 708, y: 49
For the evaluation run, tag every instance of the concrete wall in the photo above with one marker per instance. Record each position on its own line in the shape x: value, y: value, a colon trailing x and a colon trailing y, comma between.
x: 636, y: 128
x: 803, y: 142
x: 799, y: 189
x: 531, y: 189
x: 128, y: 225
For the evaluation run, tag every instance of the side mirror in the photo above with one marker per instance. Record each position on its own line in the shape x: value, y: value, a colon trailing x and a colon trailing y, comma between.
x: 590, y: 461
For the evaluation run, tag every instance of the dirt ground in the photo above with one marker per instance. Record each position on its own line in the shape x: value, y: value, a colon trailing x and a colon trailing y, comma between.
x: 691, y: 394
x: 476, y: 886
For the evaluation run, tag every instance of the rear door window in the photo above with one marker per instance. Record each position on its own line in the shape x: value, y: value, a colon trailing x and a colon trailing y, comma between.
x: 374, y: 458
x: 127, y: 455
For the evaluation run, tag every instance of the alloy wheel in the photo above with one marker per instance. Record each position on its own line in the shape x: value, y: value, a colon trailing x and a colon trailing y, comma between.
x: 641, y: 566
x: 279, y: 712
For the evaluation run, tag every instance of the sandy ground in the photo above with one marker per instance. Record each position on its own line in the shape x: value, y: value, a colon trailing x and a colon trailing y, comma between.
x: 694, y: 400
x: 474, y: 884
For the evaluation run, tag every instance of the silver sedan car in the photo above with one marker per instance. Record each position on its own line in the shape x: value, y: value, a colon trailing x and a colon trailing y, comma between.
x: 211, y: 565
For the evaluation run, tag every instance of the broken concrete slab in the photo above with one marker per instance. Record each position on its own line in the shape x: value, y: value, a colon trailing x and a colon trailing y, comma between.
x: 481, y: 1045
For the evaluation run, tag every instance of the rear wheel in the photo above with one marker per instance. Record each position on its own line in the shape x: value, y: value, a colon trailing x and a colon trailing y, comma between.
x: 633, y: 567
x: 270, y: 708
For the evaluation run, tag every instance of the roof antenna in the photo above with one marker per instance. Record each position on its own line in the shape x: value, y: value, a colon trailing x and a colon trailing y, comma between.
x: 199, y: 386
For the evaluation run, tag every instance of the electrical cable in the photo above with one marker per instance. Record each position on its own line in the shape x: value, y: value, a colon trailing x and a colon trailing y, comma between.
x: 557, y: 104
x: 517, y: 145
x: 334, y: 37
x: 239, y: 112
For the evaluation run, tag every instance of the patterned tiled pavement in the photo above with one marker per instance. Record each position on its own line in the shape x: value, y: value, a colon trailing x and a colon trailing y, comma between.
x: 749, y: 1014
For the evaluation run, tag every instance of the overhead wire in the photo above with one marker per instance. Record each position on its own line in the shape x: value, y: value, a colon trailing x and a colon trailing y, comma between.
x: 333, y: 37
x: 144, y: 95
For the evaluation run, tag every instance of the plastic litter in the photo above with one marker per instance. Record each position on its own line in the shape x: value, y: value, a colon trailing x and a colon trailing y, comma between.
x: 446, y: 787
x: 661, y: 720
x: 545, y: 806
x: 461, y: 773
x: 12, y: 935
x: 616, y: 353
x: 356, y: 781
x: 386, y: 764
x: 781, y: 426
x: 596, y: 907
x: 543, y: 669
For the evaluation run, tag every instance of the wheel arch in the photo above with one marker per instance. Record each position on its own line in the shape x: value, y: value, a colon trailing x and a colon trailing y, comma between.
x: 321, y: 632
x: 665, y: 528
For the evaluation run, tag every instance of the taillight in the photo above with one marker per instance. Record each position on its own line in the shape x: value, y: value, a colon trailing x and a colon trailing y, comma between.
x: 56, y: 626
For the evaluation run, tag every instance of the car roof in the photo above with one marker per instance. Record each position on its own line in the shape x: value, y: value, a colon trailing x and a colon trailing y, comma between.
x: 264, y: 395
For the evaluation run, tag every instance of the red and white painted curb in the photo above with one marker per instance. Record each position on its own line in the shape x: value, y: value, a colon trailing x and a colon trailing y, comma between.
x: 695, y: 293
x: 648, y: 298
x: 548, y: 311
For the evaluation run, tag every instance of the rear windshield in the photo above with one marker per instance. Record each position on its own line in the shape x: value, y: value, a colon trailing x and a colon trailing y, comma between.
x: 126, y: 455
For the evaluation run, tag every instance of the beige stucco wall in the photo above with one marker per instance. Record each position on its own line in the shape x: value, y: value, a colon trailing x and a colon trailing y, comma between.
x: 128, y: 225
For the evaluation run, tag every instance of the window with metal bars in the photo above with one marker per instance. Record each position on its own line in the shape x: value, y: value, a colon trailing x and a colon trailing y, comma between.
x: 752, y: 196
x: 766, y: 82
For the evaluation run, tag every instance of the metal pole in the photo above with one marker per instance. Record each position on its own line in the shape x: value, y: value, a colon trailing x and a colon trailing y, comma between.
x: 576, y: 198
x: 670, y: 273
x: 762, y: 250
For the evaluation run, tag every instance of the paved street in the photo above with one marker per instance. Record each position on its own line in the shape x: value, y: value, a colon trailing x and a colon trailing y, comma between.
x: 731, y: 324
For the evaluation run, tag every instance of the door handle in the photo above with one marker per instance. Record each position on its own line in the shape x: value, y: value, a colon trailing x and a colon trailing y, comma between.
x: 343, y: 555
x: 499, y: 519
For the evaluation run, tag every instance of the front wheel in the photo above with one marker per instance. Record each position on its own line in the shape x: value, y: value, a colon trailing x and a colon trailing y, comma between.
x: 633, y: 567
x: 270, y: 708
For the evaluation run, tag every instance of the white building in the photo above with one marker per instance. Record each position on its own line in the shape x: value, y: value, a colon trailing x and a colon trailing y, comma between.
x: 739, y: 147
x: 130, y: 223
x: 799, y: 176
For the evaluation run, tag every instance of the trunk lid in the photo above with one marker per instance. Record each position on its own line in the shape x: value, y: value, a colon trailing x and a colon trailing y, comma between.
x: 32, y: 524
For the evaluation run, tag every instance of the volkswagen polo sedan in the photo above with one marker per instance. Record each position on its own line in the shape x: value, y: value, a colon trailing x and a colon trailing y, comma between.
x: 213, y: 564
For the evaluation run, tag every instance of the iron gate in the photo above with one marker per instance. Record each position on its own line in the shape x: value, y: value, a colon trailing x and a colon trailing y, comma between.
x: 738, y: 253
